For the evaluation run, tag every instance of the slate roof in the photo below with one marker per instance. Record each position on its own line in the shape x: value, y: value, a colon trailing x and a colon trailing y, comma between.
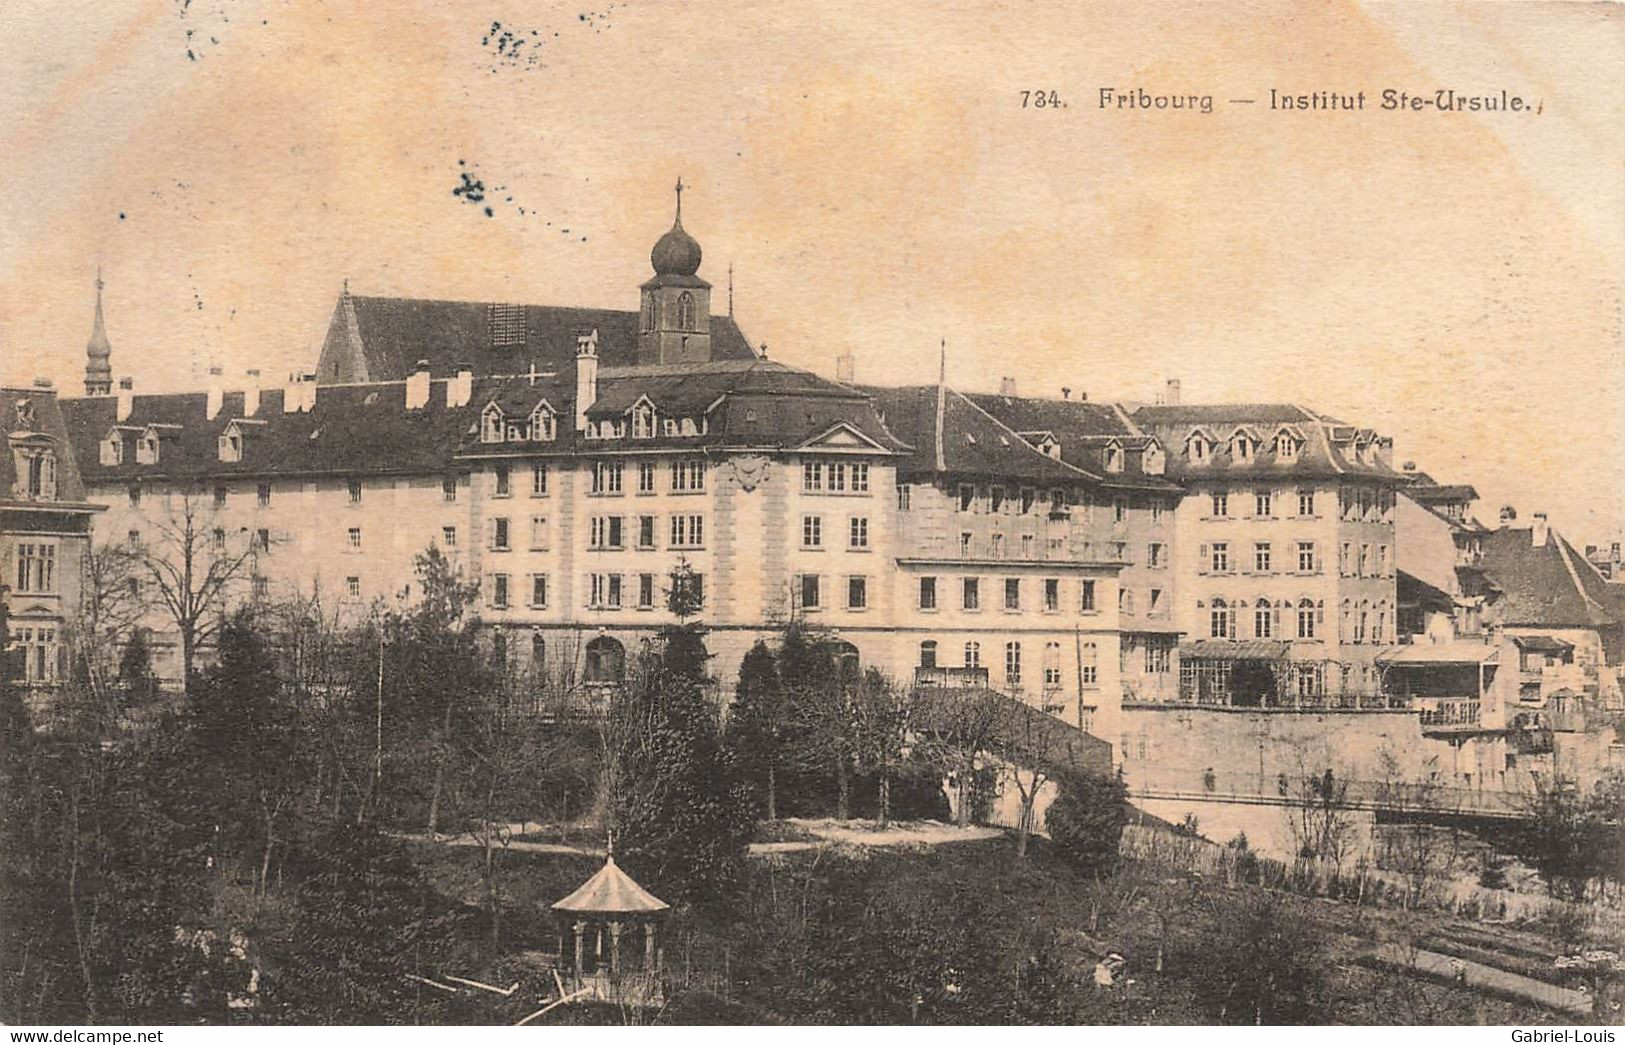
x: 1327, y: 451
x: 1543, y: 586
x: 1084, y: 430
x: 390, y: 335
x: 974, y: 442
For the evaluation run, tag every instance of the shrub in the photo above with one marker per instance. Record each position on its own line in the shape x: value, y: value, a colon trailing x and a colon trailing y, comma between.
x: 1086, y: 822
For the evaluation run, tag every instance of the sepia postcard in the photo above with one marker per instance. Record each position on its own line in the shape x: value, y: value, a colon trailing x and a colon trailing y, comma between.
x: 744, y: 514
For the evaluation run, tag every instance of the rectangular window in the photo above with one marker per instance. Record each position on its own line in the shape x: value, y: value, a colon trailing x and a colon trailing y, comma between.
x: 1158, y: 658
x: 860, y: 477
x: 1012, y: 663
x: 1306, y: 620
x: 1261, y: 557
x: 1012, y: 593
x: 448, y: 536
x: 355, y: 538
x: 1119, y: 509
x: 352, y: 587
x: 538, y: 533
x: 220, y: 496
x: 646, y: 477
x: 1157, y: 508
x: 1306, y: 503
x: 606, y: 477
x: 964, y: 545
x: 812, y: 476
x: 263, y: 494
x: 1263, y: 621
x: 928, y: 593
x: 262, y: 587
x: 218, y: 539
x: 1264, y: 503
x: 687, y: 531
x: 995, y: 499
x: 858, y: 532
x: 262, y: 540
x: 36, y: 568
x: 646, y: 531
x: 1089, y: 664
x: 903, y: 496
x: 538, y: 591
x: 135, y: 495
x: 837, y: 477
x: 1052, y: 594
x: 967, y: 496
x: 1220, y: 504
x: 857, y: 593
x: 1306, y: 557
x: 604, y: 532
x: 971, y: 593
x: 996, y: 545
x: 809, y: 591
x: 812, y: 531
x: 1221, y: 557
x: 606, y: 591
x: 1156, y: 555
x: 646, y: 591
x: 499, y: 479
x: 499, y: 534
x: 499, y: 591
x: 1363, y: 567
x: 1086, y: 597
x: 1052, y: 665
x: 1157, y: 607
x: 688, y: 475
x: 1382, y: 560
x: 448, y: 489
x: 538, y: 480
x: 355, y: 491
x: 1345, y: 559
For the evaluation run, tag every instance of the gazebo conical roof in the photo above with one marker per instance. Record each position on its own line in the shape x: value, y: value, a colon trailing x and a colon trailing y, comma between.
x: 611, y: 891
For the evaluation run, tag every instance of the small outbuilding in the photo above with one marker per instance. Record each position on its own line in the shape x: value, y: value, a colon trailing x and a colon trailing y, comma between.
x: 609, y: 907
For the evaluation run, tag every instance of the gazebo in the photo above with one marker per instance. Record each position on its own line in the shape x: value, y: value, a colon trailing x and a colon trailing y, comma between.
x: 607, y: 906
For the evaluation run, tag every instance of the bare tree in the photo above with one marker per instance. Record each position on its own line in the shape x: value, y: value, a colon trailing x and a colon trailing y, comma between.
x: 956, y: 728
x: 1318, y: 814
x: 882, y: 717
x: 196, y: 567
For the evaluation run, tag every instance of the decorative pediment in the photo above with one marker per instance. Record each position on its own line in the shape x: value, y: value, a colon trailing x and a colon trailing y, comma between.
x: 841, y: 436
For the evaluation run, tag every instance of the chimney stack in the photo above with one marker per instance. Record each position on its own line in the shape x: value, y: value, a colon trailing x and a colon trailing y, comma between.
x: 1410, y: 466
x: 460, y: 388
x: 1171, y: 397
x: 417, y: 386
x: 1539, y: 531
x: 1509, y: 515
x: 126, y: 397
x: 217, y: 392
x: 251, y: 394
x: 1613, y: 551
x: 1066, y: 393
x: 1007, y: 386
x: 586, y: 376
x: 846, y: 367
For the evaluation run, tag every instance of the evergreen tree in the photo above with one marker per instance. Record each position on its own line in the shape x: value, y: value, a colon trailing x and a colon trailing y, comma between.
x: 756, y: 725
x: 1086, y: 821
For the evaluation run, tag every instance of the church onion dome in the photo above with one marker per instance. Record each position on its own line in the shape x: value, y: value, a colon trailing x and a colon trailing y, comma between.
x: 676, y: 253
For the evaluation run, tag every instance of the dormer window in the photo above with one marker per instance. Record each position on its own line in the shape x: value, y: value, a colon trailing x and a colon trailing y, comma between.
x: 1152, y: 460
x: 643, y: 421
x: 1114, y: 457
x: 492, y: 426
x: 687, y: 427
x: 231, y: 445
x: 1199, y: 448
x: 113, y: 449
x: 36, y: 472
x: 544, y: 424
x: 147, y: 448
x: 1241, y: 447
x: 1286, y: 446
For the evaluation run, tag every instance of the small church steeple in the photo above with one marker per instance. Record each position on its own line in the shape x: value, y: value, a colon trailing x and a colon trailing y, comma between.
x: 675, y: 320
x: 98, y: 352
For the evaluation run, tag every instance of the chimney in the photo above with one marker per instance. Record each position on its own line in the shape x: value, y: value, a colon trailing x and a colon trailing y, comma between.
x: 217, y: 392
x: 1538, y: 532
x: 1410, y: 466
x: 126, y: 397
x: 586, y: 376
x: 1509, y: 515
x: 460, y: 389
x: 846, y: 368
x: 417, y: 386
x: 1066, y: 393
x: 251, y: 394
x: 1591, y: 551
x: 1083, y: 397
x: 1171, y: 396
x: 1007, y: 386
x: 1613, y: 551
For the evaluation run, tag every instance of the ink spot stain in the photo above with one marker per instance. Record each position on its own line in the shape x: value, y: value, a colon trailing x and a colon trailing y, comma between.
x: 121, y: 215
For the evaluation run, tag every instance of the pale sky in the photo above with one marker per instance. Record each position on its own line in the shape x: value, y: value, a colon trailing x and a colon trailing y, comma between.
x: 1451, y: 279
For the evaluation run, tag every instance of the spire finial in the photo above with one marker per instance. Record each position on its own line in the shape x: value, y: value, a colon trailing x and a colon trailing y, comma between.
x: 98, y: 284
x: 730, y: 290
x: 610, y: 847
x: 679, y: 199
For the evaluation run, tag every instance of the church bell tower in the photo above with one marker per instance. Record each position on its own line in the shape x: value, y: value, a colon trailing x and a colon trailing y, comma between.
x: 98, y: 352
x: 674, y: 324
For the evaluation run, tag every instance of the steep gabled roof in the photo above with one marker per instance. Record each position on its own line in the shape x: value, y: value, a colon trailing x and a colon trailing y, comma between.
x: 34, y: 414
x: 1083, y: 429
x: 381, y: 339
x: 1544, y: 585
x: 974, y: 443
x: 1327, y: 450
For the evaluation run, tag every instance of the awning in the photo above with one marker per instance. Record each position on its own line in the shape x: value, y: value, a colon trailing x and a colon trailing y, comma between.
x: 1541, y: 644
x: 1233, y: 649
x: 1438, y: 653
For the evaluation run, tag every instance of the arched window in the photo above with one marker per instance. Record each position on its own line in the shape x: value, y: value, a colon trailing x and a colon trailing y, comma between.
x: 928, y: 653
x: 846, y: 660
x: 1089, y: 664
x: 685, y: 311
x: 1052, y: 665
x: 1306, y: 619
x: 543, y: 425
x: 1361, y: 620
x: 499, y: 650
x: 606, y: 660
x: 1379, y: 633
x: 538, y: 650
x: 1221, y: 621
x: 973, y: 654
x: 1012, y: 663
x: 1263, y: 620
x: 648, y: 311
x: 491, y: 428
x: 643, y: 421
x: 1345, y: 623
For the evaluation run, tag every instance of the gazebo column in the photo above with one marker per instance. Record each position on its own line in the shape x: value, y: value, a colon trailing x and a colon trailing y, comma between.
x: 614, y: 948
x: 649, y: 946
x: 580, y: 932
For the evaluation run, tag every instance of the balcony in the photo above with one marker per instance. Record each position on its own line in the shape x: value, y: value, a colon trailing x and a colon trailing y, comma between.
x: 1449, y: 716
x: 951, y: 678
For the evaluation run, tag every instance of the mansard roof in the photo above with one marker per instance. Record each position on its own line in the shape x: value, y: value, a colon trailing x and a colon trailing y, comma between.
x: 383, y: 338
x: 1084, y: 429
x: 34, y: 416
x: 1327, y: 450
x: 974, y: 442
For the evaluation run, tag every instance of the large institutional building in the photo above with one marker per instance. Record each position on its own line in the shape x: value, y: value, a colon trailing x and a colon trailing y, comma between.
x: 1102, y: 561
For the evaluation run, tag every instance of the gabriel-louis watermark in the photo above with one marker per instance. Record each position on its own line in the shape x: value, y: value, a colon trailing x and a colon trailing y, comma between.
x: 1563, y: 1037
